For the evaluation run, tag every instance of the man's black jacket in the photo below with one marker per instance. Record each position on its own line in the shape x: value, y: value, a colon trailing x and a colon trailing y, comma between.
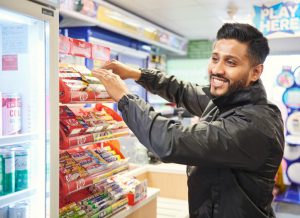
x: 233, y: 152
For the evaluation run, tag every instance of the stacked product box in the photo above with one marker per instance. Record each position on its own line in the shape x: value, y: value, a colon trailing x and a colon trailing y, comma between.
x: 106, y: 198
x: 77, y: 84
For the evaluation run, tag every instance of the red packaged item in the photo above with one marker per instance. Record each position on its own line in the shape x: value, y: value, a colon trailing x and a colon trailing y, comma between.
x: 86, y: 115
x: 81, y: 48
x: 79, y: 155
x: 98, y: 125
x: 87, y: 162
x: 69, y: 75
x: 64, y: 45
x: 65, y: 112
x: 72, y: 126
x: 100, y: 53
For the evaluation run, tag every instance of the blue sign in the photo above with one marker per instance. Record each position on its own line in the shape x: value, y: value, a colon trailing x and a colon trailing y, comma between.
x: 281, y: 17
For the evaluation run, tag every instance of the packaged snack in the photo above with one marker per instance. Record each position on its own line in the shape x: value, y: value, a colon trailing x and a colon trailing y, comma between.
x: 74, y: 76
x: 88, y: 162
x: 75, y: 85
x: 65, y: 112
x: 72, y: 126
x: 79, y: 155
x: 100, y: 113
x: 82, y: 69
x: 91, y: 79
x: 99, y: 89
x: 107, y: 117
x: 71, y: 177
x: 98, y: 125
x: 95, y: 168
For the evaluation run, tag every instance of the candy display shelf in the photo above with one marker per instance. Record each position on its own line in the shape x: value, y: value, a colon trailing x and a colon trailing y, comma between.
x: 92, y: 138
x: 89, y: 152
x: 112, y: 131
x: 82, y: 183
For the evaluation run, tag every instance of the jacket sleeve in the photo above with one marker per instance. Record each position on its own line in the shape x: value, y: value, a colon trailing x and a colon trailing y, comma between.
x: 224, y: 143
x: 187, y: 95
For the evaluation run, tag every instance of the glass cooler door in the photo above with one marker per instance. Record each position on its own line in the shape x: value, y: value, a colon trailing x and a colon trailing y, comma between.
x: 24, y: 114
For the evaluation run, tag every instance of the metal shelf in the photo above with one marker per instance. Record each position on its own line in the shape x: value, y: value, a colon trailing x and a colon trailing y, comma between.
x: 16, y: 197
x: 74, y: 18
x: 17, y: 139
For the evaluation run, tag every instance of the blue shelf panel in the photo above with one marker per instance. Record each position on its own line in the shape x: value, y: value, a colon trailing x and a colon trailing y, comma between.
x: 291, y: 195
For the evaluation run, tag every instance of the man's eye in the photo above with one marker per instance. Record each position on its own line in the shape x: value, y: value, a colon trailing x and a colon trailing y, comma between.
x: 231, y: 63
x: 214, y: 59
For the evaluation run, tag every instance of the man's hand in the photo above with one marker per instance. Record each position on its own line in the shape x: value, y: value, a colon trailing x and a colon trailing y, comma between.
x: 124, y: 71
x: 113, y: 84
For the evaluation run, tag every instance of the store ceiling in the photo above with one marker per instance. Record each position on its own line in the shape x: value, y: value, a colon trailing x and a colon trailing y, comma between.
x: 193, y: 19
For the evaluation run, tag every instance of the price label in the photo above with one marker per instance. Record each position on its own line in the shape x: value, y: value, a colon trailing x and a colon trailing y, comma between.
x: 102, y: 135
x: 80, y: 184
x: 81, y: 140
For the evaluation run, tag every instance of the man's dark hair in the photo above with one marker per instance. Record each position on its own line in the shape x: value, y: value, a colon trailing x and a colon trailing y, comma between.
x: 258, y: 48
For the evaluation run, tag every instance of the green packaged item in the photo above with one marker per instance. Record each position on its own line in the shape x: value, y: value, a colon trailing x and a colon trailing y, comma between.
x: 8, y: 168
x: 21, y: 168
x: 1, y: 174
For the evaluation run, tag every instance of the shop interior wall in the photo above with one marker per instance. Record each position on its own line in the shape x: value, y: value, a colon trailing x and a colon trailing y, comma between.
x: 190, y: 70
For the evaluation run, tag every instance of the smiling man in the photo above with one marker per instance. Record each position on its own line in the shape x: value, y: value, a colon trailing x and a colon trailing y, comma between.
x: 234, y: 151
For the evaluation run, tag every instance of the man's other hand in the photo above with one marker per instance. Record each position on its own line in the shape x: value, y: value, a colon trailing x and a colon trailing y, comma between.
x: 113, y: 84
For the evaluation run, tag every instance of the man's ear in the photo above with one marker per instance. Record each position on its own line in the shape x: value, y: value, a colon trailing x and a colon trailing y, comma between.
x: 256, y: 72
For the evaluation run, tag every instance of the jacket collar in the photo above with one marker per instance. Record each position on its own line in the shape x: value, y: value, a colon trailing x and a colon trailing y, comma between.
x: 249, y: 95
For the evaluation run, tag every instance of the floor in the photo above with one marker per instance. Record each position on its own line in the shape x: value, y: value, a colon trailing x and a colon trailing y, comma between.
x: 284, y: 210
x: 168, y: 207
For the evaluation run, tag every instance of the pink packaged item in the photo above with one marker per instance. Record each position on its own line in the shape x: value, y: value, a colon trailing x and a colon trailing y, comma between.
x: 11, y: 113
x: 1, y: 124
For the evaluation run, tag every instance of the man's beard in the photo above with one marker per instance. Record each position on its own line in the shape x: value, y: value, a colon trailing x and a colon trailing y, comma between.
x: 236, y: 86
x: 233, y: 87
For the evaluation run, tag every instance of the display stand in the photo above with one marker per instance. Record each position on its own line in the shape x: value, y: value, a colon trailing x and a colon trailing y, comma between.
x: 90, y: 159
x: 290, y: 80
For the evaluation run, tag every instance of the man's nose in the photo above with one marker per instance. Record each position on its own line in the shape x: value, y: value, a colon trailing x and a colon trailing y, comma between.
x: 218, y: 68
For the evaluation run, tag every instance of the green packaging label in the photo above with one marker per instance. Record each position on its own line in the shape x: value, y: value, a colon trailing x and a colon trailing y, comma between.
x: 21, y: 177
x: 9, y: 174
x: 1, y: 176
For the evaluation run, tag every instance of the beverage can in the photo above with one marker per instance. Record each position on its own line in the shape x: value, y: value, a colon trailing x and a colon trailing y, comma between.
x: 11, y: 113
x: 8, y: 167
x: 1, y: 174
x: 21, y: 168
x: 20, y: 210
x: 4, y: 212
x: 1, y: 121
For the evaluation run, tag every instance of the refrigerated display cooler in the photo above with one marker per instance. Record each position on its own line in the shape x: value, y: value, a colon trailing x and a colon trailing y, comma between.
x: 29, y: 108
